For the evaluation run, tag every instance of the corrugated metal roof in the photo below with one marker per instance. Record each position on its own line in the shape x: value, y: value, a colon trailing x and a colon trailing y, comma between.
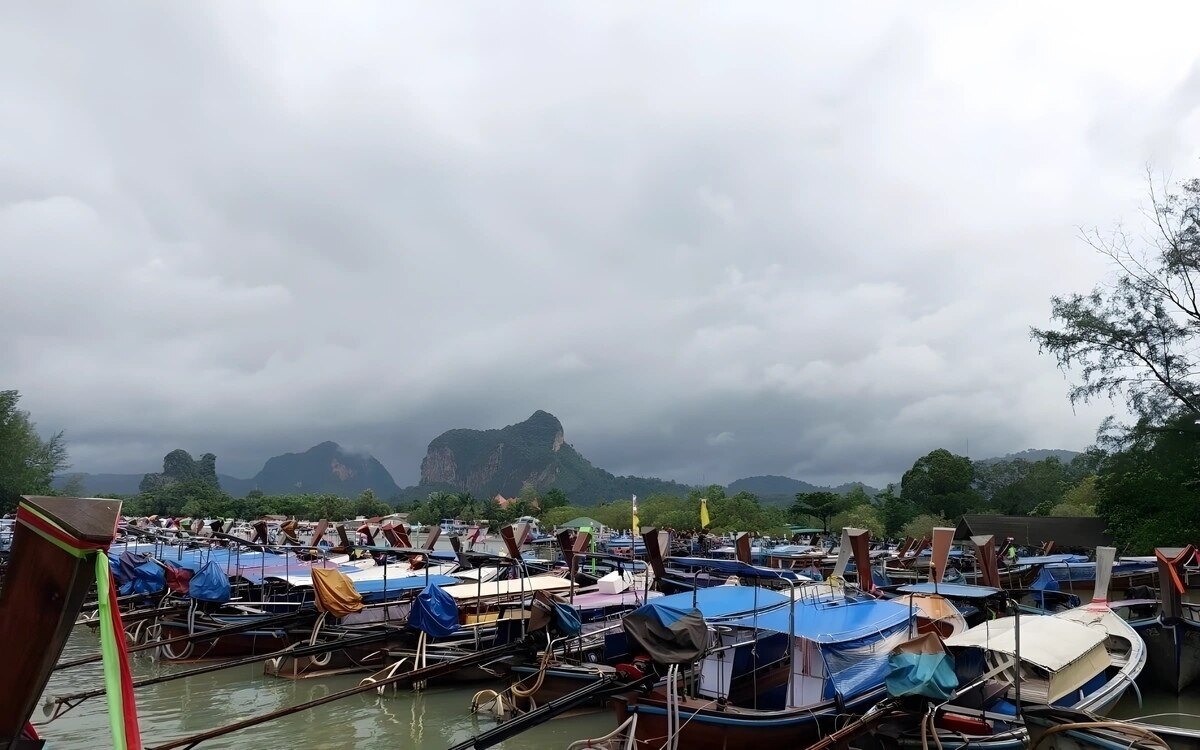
x: 1064, y: 531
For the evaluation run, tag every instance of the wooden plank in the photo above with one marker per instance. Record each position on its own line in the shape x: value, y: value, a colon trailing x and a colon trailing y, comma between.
x: 91, y: 519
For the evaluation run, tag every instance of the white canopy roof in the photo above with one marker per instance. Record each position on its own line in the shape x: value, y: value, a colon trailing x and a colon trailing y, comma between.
x: 1049, y: 642
x: 508, y: 587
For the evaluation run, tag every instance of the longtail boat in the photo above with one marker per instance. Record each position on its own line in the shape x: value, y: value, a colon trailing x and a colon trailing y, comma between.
x: 772, y: 668
x: 57, y: 554
x: 1172, y: 633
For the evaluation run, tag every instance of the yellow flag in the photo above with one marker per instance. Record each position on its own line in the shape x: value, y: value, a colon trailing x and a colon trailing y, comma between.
x: 636, y: 529
x: 704, y: 520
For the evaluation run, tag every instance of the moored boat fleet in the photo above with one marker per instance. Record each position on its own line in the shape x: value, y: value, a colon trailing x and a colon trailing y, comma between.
x: 850, y: 643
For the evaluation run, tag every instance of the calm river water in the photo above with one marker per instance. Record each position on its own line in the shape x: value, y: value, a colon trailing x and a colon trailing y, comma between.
x: 435, y: 718
x: 431, y: 720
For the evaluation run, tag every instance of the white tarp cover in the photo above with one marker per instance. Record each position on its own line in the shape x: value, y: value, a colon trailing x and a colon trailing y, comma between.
x: 1051, y: 643
x: 510, y: 587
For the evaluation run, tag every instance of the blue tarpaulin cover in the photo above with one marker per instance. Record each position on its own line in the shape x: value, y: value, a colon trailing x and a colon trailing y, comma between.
x: 830, y: 621
x: 855, y: 637
x: 434, y: 612
x: 378, y: 586
x: 566, y: 619
x: 148, y: 578
x: 859, y: 666
x: 952, y: 590
x: 1045, y: 582
x: 716, y: 602
x: 732, y: 567
x: 124, y: 566
x: 210, y: 584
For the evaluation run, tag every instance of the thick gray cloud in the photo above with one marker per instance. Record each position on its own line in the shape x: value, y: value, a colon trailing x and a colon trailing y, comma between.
x: 714, y: 240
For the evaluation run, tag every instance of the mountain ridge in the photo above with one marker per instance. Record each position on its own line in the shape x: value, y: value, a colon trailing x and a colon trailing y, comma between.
x: 325, y: 468
x: 501, y: 461
x: 776, y: 486
x: 484, y: 462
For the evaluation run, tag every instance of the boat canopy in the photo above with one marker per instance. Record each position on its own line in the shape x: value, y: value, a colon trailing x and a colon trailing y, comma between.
x: 829, y: 621
x: 735, y: 568
x: 508, y: 587
x: 718, y: 602
x: 1049, y: 642
x: 1051, y: 559
x: 408, y: 583
x: 952, y: 590
x: 1069, y: 652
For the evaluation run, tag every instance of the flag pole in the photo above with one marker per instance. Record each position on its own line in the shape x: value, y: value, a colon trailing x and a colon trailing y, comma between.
x: 633, y: 530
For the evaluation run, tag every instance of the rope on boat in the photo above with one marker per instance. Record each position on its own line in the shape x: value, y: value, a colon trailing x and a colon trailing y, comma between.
x: 540, y: 675
x: 673, y: 727
x: 321, y: 659
x: 169, y: 652
x: 421, y: 660
x: 628, y: 728
x: 928, y: 728
x: 1119, y: 726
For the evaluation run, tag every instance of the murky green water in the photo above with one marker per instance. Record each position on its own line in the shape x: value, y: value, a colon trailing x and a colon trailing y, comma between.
x: 435, y: 718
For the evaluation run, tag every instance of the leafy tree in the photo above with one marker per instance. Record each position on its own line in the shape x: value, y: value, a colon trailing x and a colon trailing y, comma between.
x: 861, y: 517
x: 923, y: 525
x: 369, y: 506
x: 1017, y: 487
x: 894, y: 511
x: 27, y: 462
x: 1149, y: 493
x: 939, y: 483
x: 615, y: 514
x: 823, y: 505
x: 857, y: 496
x: 554, y: 498
x: 1086, y: 464
x: 1080, y: 500
x: 1136, y: 336
x: 528, y: 496
x: 559, y: 515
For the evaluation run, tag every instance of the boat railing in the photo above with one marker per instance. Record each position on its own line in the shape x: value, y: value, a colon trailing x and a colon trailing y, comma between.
x: 1191, y: 612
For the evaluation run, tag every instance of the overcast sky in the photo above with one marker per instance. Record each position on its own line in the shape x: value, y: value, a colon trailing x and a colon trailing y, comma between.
x: 714, y: 240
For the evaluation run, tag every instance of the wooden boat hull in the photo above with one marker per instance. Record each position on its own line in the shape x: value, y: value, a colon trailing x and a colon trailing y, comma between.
x: 559, y: 681
x: 704, y: 725
x: 236, y: 645
x: 1109, y: 737
x: 1172, y: 654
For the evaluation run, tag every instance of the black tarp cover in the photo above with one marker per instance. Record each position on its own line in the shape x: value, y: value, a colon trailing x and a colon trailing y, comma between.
x: 667, y: 635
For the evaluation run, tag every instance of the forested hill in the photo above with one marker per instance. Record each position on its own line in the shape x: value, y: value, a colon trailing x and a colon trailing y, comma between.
x: 502, y: 461
x: 774, y: 487
x: 1032, y: 455
x: 326, y: 468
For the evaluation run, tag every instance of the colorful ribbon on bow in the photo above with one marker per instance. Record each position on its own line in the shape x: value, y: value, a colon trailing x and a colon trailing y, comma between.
x: 118, y: 681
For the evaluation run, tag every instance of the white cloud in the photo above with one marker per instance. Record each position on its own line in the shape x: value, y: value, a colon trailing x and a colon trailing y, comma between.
x: 242, y: 229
